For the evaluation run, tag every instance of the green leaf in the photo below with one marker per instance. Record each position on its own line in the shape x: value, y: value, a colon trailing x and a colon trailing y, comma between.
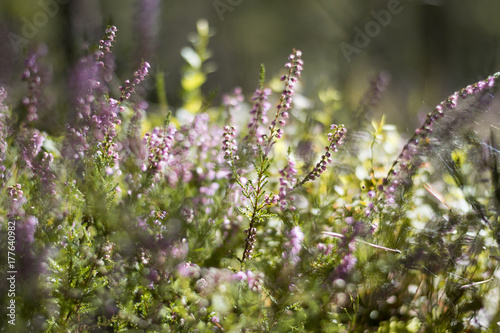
x: 191, y: 57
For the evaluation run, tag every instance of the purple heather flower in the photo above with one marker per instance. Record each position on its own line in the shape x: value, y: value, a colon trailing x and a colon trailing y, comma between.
x: 254, y: 281
x: 258, y: 114
x: 139, y: 76
x: 159, y: 143
x: 288, y: 181
x: 293, y: 246
x: 234, y: 99
x: 294, y: 71
x: 45, y: 175
x: 180, y: 250
x: 106, y: 43
x: 211, y: 190
x: 97, y: 115
x: 347, y: 263
x: 33, y: 74
x: 32, y: 141
x: 326, y: 249
x: 229, y: 144
x: 336, y: 139
x: 18, y: 199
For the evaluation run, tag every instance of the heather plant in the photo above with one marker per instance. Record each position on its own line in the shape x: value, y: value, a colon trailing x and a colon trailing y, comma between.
x: 261, y: 214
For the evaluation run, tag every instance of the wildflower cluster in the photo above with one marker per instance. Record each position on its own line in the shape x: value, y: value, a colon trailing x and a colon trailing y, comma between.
x: 159, y: 142
x: 201, y: 225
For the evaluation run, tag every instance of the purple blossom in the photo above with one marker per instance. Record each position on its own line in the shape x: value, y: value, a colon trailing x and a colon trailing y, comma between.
x: 325, y: 249
x: 106, y: 43
x: 286, y: 99
x: 210, y: 190
x: 26, y: 229
x: 180, y: 250
x: 229, y: 144
x: 288, y: 181
x: 294, y: 246
x: 189, y: 270
x: 336, y: 139
x: 215, y: 319
x: 33, y: 75
x: 4, y: 133
x: 254, y: 281
x: 258, y: 114
x: 234, y: 99
x: 371, y: 97
x: 31, y: 143
x: 159, y: 143
x: 347, y: 246
x: 18, y: 199
x: 346, y: 265
x: 139, y: 76
x: 96, y: 115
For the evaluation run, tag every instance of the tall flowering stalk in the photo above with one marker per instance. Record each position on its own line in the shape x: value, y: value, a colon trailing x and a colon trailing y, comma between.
x: 32, y: 74
x: 336, y: 139
x: 295, y: 67
x: 409, y: 160
x: 98, y: 114
x: 254, y: 190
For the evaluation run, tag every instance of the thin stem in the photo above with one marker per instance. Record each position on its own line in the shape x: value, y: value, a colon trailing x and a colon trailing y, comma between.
x: 337, y: 235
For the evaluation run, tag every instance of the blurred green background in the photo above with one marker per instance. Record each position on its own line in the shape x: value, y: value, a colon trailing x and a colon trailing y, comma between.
x: 430, y: 48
